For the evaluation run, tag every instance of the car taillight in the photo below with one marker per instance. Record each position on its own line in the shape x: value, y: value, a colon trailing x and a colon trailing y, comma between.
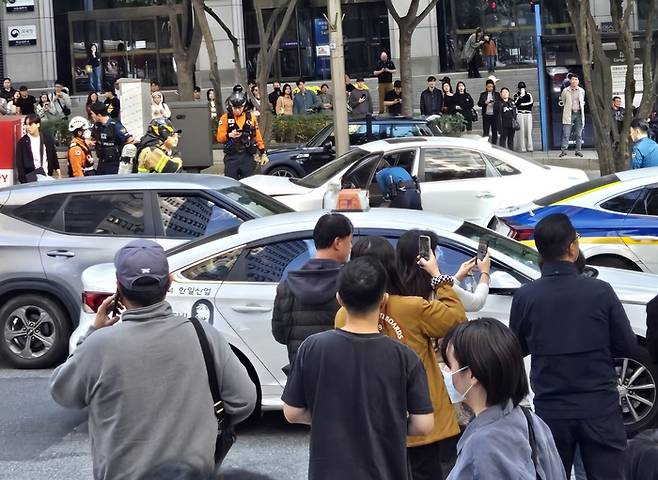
x: 520, y: 234
x: 91, y: 301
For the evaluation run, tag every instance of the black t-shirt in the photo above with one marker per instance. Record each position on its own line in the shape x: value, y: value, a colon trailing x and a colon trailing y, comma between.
x: 385, y: 77
x: 393, y: 109
x: 26, y: 104
x: 7, y: 94
x: 358, y: 389
x: 113, y: 107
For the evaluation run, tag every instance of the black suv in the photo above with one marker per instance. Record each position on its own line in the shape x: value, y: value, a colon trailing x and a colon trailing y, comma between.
x: 319, y: 150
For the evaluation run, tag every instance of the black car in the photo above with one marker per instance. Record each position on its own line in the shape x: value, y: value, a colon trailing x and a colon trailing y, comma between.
x: 320, y: 150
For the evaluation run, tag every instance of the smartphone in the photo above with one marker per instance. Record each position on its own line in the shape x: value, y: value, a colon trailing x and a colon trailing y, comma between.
x: 115, y: 306
x: 424, y: 247
x: 483, y: 248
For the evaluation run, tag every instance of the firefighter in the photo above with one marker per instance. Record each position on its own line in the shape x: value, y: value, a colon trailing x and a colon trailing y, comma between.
x: 81, y: 162
x: 161, y: 157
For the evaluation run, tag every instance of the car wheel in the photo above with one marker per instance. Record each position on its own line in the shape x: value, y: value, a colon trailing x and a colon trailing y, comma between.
x: 283, y: 172
x: 636, y: 383
x: 613, y: 262
x: 34, y: 331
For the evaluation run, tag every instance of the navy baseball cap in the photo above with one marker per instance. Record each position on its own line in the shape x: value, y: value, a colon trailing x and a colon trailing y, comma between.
x: 141, y: 259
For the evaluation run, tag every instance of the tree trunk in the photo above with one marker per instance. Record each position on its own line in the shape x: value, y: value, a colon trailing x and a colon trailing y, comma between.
x: 240, y: 76
x: 405, y: 71
x: 202, y: 24
x: 184, y: 54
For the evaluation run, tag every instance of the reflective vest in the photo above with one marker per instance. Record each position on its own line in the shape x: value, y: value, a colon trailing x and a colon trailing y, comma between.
x: 245, y: 143
x: 157, y: 160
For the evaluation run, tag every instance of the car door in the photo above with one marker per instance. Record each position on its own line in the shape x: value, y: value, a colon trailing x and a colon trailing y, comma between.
x: 458, y: 181
x: 320, y: 153
x: 641, y: 228
x: 407, y: 159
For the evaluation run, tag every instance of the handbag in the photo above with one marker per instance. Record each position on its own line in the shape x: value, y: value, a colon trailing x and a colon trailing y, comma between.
x: 474, y: 115
x: 515, y: 124
x: 65, y: 110
x: 531, y: 439
x: 225, y: 429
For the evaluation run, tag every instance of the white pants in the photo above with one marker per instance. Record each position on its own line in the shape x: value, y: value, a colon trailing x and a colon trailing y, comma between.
x: 523, y: 138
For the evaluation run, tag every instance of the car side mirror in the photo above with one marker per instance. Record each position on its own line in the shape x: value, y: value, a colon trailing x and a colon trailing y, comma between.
x: 503, y: 283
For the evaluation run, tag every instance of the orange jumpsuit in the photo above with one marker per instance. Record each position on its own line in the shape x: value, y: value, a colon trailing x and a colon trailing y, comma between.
x: 80, y: 159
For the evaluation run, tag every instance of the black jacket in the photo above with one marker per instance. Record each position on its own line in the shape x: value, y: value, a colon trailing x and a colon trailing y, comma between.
x: 506, y: 114
x: 465, y: 101
x: 574, y: 327
x: 25, y: 161
x: 652, y: 328
x: 483, y: 99
x: 305, y: 303
x: 431, y: 102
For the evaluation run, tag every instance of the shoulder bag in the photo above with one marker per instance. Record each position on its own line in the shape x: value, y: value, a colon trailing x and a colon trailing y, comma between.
x: 225, y: 430
x: 531, y: 438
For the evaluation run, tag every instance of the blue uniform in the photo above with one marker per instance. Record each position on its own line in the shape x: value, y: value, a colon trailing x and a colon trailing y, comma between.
x: 398, y: 186
x: 645, y: 154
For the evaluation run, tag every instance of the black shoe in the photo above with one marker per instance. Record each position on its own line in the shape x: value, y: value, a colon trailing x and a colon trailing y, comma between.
x: 579, y: 154
x: 563, y: 153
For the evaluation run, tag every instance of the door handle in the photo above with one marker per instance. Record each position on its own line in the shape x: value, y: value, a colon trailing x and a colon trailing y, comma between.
x: 484, y: 195
x: 61, y: 253
x: 251, y: 309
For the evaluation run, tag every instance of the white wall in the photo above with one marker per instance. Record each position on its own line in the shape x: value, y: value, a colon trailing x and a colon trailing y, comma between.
x: 424, y: 43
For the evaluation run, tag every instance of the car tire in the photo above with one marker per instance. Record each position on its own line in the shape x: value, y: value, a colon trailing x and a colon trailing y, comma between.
x: 34, y: 331
x: 613, y: 262
x: 282, y: 171
x: 636, y: 382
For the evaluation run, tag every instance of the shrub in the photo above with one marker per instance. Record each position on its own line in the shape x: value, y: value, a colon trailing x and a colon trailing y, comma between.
x: 451, y: 125
x: 298, y: 128
x: 58, y: 128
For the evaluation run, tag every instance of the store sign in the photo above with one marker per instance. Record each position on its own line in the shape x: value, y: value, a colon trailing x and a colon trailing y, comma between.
x: 19, y: 6
x: 21, y: 35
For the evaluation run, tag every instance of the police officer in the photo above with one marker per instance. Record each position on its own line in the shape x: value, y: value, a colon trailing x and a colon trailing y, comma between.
x: 399, y: 187
x: 160, y: 158
x: 81, y: 162
x: 110, y: 137
x: 243, y: 144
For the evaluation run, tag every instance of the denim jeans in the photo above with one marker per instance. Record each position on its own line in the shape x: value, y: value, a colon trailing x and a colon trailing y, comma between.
x: 490, y: 61
x: 95, y: 79
x: 576, y: 127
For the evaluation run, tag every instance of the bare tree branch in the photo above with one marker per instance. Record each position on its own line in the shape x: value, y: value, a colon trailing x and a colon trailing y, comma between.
x: 239, y: 74
x: 394, y: 13
x: 431, y: 6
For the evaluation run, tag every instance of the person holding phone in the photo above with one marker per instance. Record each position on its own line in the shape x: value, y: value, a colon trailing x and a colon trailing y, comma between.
x: 359, y: 100
x: 490, y: 103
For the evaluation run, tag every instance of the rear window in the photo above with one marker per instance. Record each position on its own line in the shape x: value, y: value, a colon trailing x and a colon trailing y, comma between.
x: 577, y: 190
x: 255, y: 202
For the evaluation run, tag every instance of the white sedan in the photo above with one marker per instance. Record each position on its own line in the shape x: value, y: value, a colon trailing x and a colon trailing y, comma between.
x: 230, y: 280
x: 463, y: 177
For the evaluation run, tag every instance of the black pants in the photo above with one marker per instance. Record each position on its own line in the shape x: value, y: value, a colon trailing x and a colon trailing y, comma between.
x: 507, y: 137
x: 489, y: 123
x: 602, y: 442
x: 407, y: 199
x: 425, y: 462
x: 107, y: 168
x: 474, y: 66
x: 239, y: 165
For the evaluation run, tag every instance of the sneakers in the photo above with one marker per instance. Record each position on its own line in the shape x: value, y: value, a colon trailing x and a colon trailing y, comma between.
x: 579, y: 154
x: 563, y: 153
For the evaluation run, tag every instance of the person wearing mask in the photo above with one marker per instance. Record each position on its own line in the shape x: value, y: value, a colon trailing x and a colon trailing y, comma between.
x: 645, y: 150
x: 471, y: 53
x: 448, y: 102
x: 110, y: 137
x: 489, y: 52
x: 196, y: 93
x: 284, y: 104
x: 574, y: 327
x: 113, y: 104
x: 60, y: 101
x: 507, y: 121
x: 91, y: 99
x: 362, y: 392
x: 81, y: 162
x: 305, y: 301
x: 523, y: 101
x: 393, y: 99
x: 416, y: 321
x: 36, y: 157
x: 7, y: 91
x: 25, y: 105
x: 326, y: 98
x: 93, y: 68
x: 431, y: 99
x: 44, y: 108
x: 161, y: 157
x: 490, y: 103
x: 572, y: 100
x: 136, y: 396
x: 360, y: 100
x: 618, y: 113
x: 305, y: 100
x: 485, y: 370
x: 274, y: 95
x: 384, y: 72
x: 159, y: 109
x: 210, y: 96
x: 464, y: 105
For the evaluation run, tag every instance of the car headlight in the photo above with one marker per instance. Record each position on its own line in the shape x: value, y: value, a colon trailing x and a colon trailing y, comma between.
x: 302, y: 157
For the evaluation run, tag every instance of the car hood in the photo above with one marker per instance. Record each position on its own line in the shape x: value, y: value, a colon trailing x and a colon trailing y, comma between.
x: 630, y: 287
x: 274, y: 186
x: 286, y: 152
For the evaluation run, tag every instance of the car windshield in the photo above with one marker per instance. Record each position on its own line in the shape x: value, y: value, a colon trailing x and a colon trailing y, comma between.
x: 255, y: 202
x: 434, y: 128
x: 518, y: 251
x: 579, y: 189
x: 527, y: 159
x: 326, y: 172
x: 317, y: 139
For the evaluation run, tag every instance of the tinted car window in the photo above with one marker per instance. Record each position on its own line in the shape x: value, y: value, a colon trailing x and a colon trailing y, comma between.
x: 326, y: 172
x: 503, y: 168
x: 255, y: 202
x: 358, y: 134
x: 116, y: 214
x: 271, y: 263
x: 622, y: 203
x: 214, y: 269
x: 453, y: 164
x: 41, y: 211
x: 648, y: 205
x: 577, y: 190
x: 191, y: 216
x: 395, y: 130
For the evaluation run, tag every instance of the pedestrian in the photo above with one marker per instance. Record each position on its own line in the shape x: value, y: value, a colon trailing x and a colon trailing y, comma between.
x: 243, y: 144
x: 572, y: 99
x: 448, y: 101
x: 384, y: 72
x: 161, y: 157
x: 91, y: 99
x: 305, y: 301
x: 210, y: 96
x: 12, y: 109
x: 110, y: 137
x: 360, y: 100
x: 471, y: 53
x: 326, y: 98
x: 196, y: 93
x: 81, y: 161
x: 255, y: 100
x: 7, y: 91
x: 36, y: 158
x: 155, y: 86
x: 353, y: 384
x: 574, y: 327
x: 489, y: 52
x: 139, y: 378
x: 490, y: 103
x: 415, y: 322
x: 60, y: 101
x: 431, y: 99
x: 507, y: 120
x: 43, y: 107
x: 523, y: 101
x: 305, y: 100
x: 464, y: 105
x: 349, y: 86
x: 274, y: 95
x: 473, y: 301
x: 618, y: 113
x: 93, y: 68
x: 284, y: 104
x: 112, y: 103
x: 645, y: 150
x: 393, y: 99
x: 485, y: 370
x: 25, y: 104
x: 159, y: 109
x: 3, y: 107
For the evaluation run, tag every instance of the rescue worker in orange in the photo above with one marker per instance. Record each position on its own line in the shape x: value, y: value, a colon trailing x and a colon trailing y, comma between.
x: 244, y: 148
x: 81, y: 162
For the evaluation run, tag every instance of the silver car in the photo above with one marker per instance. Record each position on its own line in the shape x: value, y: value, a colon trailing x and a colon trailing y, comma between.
x: 52, y: 231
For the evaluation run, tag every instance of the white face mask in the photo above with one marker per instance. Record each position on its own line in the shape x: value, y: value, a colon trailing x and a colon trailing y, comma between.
x: 455, y: 396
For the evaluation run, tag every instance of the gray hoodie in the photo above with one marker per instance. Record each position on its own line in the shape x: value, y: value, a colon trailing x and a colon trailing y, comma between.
x: 145, y: 383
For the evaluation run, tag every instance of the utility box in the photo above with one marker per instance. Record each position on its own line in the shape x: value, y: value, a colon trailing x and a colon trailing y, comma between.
x: 195, y: 144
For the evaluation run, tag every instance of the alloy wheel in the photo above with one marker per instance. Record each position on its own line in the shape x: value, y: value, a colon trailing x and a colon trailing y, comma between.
x: 30, y: 332
x: 282, y: 173
x: 637, y: 390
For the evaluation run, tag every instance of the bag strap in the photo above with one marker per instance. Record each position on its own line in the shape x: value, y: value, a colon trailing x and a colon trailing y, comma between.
x: 210, y: 366
x: 531, y: 439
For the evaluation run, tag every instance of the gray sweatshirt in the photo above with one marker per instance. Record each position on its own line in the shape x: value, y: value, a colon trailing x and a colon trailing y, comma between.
x: 145, y: 383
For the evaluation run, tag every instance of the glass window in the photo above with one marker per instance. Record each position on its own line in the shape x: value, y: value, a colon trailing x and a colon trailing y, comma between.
x: 41, y: 211
x: 214, y: 269
x: 453, y: 164
x: 116, y: 214
x: 393, y: 130
x: 327, y: 172
x: 503, y: 168
x: 404, y: 159
x: 358, y: 134
x: 622, y: 203
x: 271, y: 263
x: 579, y: 189
x: 193, y: 216
x: 360, y: 175
x: 648, y: 205
x: 259, y: 204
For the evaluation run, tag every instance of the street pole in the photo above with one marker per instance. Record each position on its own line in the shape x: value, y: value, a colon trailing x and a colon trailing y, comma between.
x: 541, y: 76
x: 335, y: 18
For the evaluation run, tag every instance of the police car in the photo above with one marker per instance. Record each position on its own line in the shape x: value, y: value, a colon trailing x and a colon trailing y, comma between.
x: 615, y: 215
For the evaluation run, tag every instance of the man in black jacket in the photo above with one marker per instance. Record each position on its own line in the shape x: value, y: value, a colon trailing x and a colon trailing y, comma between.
x: 490, y: 103
x: 574, y: 327
x: 36, y: 156
x: 431, y: 99
x: 306, y: 302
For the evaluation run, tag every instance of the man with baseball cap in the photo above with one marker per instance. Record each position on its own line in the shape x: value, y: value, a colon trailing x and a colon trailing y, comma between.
x: 143, y: 378
x: 110, y: 136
